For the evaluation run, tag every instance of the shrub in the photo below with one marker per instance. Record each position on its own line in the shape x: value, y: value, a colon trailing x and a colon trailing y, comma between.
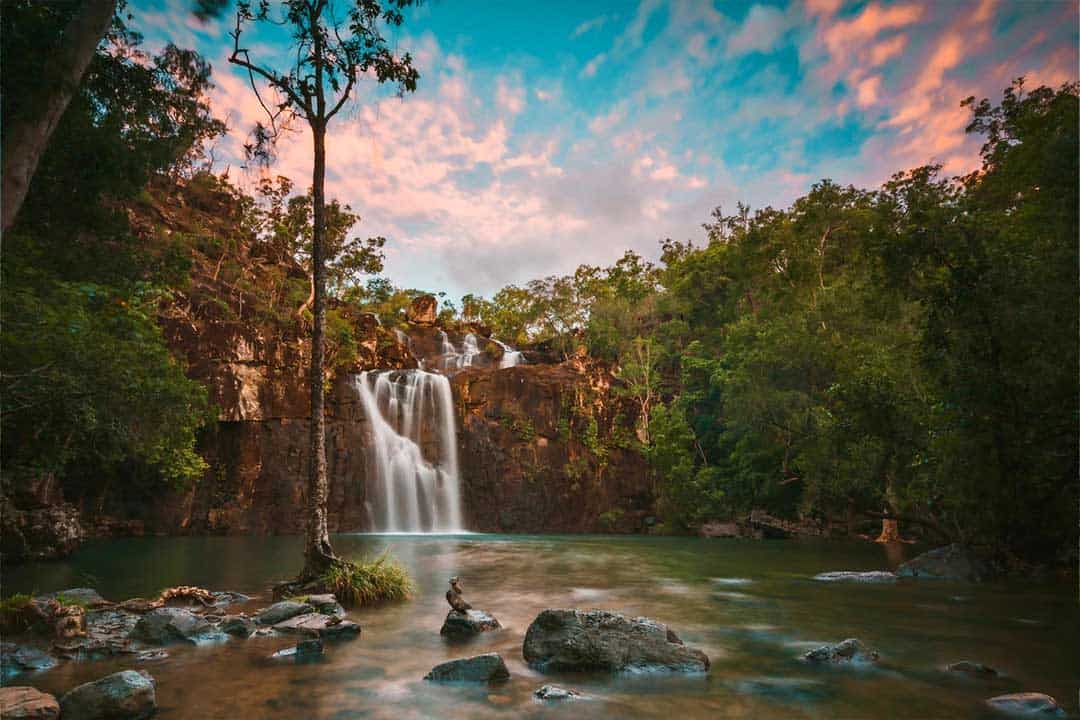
x: 367, y: 583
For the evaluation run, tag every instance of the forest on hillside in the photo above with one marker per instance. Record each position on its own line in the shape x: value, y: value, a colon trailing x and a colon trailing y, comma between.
x: 907, y: 351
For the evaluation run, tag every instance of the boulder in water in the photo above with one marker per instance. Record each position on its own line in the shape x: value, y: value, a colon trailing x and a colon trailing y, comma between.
x: 328, y: 627
x: 1028, y: 704
x: 601, y: 640
x: 166, y: 625
x: 846, y: 651
x: 327, y: 604
x: 952, y: 562
x: 461, y: 625
x: 16, y: 659
x: 86, y: 597
x: 27, y: 703
x: 237, y: 626
x: 281, y: 611
x: 973, y: 669
x: 126, y: 695
x: 488, y: 667
x: 554, y: 692
x: 873, y: 576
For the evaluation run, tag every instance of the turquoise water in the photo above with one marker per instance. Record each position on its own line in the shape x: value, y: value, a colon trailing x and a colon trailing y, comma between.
x: 751, y: 606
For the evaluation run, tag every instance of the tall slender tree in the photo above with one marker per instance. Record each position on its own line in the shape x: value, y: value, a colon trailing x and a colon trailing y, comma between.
x: 335, y: 46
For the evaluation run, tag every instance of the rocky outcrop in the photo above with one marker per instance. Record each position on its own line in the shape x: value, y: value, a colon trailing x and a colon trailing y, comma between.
x: 423, y: 310
x: 331, y: 627
x: 480, y: 668
x: 549, y: 448
x: 36, y: 523
x: 282, y: 611
x: 576, y: 640
x: 952, y: 562
x: 126, y: 695
x: 464, y: 624
x: 27, y: 703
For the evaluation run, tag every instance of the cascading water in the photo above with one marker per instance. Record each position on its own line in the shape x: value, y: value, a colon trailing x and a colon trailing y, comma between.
x: 452, y: 358
x: 416, y: 486
x: 511, y: 357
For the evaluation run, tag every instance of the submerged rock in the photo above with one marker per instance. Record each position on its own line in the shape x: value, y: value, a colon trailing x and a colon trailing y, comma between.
x: 1027, y: 704
x: 952, y: 562
x: 554, y: 692
x: 16, y: 659
x: 846, y: 651
x: 488, y: 667
x: 601, y: 640
x: 27, y: 703
x: 873, y: 576
x: 166, y: 625
x: 972, y: 668
x: 237, y: 626
x: 281, y: 611
x: 331, y: 627
x: 783, y: 689
x: 126, y: 695
x: 460, y: 625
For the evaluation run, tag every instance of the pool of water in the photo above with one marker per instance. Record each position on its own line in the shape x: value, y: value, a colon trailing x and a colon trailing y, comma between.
x: 751, y: 606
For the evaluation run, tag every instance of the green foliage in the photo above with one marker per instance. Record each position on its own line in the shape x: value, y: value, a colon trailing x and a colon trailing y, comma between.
x: 15, y: 614
x: 369, y: 582
x: 910, y: 349
x: 609, y: 519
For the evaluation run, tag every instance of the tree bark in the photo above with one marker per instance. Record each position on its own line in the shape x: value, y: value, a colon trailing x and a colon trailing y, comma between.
x: 27, y: 136
x: 890, y: 525
x: 318, y: 554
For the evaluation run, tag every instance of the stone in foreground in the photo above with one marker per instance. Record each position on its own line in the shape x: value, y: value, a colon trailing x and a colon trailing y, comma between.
x: 282, y: 611
x: 27, y: 703
x: 554, y: 692
x: 601, y: 640
x: 165, y: 625
x: 875, y: 576
x: 470, y: 623
x: 973, y: 669
x: 329, y: 627
x: 846, y: 651
x: 1027, y: 705
x: 326, y: 604
x: 126, y: 695
x: 952, y: 562
x: 488, y: 667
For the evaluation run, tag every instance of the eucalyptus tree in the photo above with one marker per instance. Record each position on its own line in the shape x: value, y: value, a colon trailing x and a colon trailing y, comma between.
x: 334, y: 46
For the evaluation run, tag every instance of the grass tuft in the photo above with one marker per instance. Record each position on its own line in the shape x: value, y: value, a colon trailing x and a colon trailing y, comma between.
x: 15, y: 615
x: 367, y: 583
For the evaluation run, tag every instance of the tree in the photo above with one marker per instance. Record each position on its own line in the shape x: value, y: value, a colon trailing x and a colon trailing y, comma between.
x: 27, y: 130
x: 332, y: 52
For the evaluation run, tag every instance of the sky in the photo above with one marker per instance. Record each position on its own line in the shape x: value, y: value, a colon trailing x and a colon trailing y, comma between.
x: 545, y: 135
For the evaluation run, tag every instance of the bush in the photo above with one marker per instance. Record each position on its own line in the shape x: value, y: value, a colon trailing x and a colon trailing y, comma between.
x: 15, y: 614
x: 367, y: 583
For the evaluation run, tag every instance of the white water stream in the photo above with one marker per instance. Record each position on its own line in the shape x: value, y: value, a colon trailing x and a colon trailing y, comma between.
x: 415, y: 482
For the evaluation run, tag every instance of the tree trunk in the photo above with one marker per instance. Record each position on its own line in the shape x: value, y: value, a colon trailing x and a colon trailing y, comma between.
x: 318, y: 554
x: 890, y: 526
x: 27, y: 135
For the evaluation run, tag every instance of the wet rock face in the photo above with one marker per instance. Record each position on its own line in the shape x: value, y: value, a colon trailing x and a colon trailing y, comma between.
x: 126, y: 695
x: 546, y: 448
x: 18, y: 659
x: 282, y: 611
x: 27, y: 703
x: 38, y: 532
x: 481, y: 668
x: 575, y: 640
x: 952, y: 562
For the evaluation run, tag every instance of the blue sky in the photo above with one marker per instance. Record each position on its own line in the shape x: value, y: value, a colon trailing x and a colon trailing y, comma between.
x: 546, y: 135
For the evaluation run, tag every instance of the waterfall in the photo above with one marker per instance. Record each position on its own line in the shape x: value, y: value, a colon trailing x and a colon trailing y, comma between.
x: 454, y: 359
x: 415, y: 486
x: 511, y: 357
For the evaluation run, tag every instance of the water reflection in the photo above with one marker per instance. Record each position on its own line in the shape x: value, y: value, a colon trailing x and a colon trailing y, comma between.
x: 750, y: 605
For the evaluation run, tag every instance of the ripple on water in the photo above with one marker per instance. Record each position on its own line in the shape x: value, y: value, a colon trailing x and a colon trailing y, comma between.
x: 783, y: 689
x: 731, y: 581
x: 588, y: 594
